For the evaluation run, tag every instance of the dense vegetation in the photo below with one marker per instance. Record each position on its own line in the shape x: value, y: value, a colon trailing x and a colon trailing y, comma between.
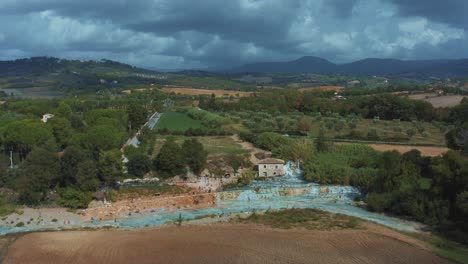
x: 77, y: 152
x: 430, y: 190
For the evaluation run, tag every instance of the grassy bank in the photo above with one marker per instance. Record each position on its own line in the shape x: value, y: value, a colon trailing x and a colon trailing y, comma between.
x: 445, y: 248
x: 312, y: 219
x: 6, y: 241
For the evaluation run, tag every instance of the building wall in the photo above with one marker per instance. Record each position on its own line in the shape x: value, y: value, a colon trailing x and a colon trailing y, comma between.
x: 270, y: 170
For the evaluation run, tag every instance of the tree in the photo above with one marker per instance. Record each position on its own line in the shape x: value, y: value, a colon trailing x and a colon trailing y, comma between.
x: 69, y: 161
x: 304, y: 124
x: 76, y: 121
x: 23, y: 135
x: 270, y: 140
x: 86, y: 176
x: 103, y: 137
x: 195, y: 154
x: 136, y: 115
x: 389, y: 169
x: 462, y: 203
x: 110, y: 166
x: 3, y: 173
x: 246, y: 177
x: 37, y: 174
x: 170, y: 160
x: 457, y: 138
x: 450, y: 177
x: 74, y: 198
x: 321, y: 144
x: 410, y: 132
x: 61, y: 129
x: 63, y: 110
x: 138, y: 164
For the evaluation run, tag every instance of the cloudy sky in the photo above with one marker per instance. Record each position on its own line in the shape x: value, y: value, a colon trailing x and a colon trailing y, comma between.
x: 215, y: 33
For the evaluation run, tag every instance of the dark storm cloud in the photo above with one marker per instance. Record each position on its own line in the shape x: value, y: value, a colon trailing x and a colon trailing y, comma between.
x: 342, y: 8
x: 185, y: 33
x: 452, y: 12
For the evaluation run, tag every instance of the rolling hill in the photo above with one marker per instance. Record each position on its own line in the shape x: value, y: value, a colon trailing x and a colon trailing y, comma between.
x: 371, y: 66
x: 65, y: 75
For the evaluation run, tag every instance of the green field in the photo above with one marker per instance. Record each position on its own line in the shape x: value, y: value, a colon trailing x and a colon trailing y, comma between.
x: 387, y: 130
x: 174, y: 121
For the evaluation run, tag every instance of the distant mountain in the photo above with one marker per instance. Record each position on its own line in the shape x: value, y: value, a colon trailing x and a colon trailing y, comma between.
x: 42, y: 65
x: 304, y: 64
x: 310, y: 64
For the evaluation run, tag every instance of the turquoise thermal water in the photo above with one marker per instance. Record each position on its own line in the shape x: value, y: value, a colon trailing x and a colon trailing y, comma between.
x: 288, y: 191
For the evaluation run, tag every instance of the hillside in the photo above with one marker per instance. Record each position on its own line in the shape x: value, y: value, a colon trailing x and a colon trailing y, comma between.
x: 64, y: 75
x: 371, y: 66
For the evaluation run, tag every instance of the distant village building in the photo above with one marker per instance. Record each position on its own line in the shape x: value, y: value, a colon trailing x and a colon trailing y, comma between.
x: 439, y: 92
x: 354, y: 83
x: 46, y: 117
x: 270, y: 167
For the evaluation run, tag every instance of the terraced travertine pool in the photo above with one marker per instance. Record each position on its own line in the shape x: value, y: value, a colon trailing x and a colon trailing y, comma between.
x: 289, y: 191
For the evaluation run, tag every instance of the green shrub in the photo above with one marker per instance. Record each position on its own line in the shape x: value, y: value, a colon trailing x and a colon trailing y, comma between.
x: 74, y: 198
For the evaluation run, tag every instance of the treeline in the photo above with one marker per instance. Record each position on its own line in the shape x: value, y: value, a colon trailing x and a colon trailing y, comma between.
x: 384, y: 106
x: 430, y: 190
x: 68, y: 157
x: 457, y: 138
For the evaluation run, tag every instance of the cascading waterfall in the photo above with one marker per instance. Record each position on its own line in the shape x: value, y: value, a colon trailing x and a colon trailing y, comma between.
x: 288, y: 191
x: 291, y: 184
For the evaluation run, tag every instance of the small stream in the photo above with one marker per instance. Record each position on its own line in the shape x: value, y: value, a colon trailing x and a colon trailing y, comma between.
x: 288, y: 191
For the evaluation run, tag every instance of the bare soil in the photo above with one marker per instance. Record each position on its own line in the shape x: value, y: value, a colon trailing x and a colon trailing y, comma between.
x: 194, y: 91
x: 438, y: 101
x: 322, y: 88
x: 425, y: 151
x: 220, y: 243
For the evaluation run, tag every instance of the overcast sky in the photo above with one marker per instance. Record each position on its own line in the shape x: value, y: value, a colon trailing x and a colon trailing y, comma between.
x: 211, y: 33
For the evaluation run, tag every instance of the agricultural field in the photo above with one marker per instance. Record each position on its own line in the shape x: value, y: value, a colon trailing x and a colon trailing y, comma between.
x: 195, y: 91
x: 337, y: 127
x: 215, y: 145
x: 224, y: 243
x: 209, y: 82
x: 174, y: 121
x: 438, y: 101
x: 425, y: 150
x: 322, y: 88
x: 34, y: 92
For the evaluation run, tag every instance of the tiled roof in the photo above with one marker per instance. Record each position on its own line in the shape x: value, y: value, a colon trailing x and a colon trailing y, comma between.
x: 271, y: 161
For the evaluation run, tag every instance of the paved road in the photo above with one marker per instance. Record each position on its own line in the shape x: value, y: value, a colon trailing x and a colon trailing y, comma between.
x: 152, y: 121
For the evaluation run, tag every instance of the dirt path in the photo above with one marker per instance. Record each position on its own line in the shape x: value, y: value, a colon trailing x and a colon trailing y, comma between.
x: 222, y: 243
x: 249, y: 146
x: 425, y: 150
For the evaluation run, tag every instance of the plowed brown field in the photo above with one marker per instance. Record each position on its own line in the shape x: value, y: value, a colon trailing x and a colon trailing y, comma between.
x: 194, y: 91
x: 220, y: 244
x: 425, y: 151
x: 322, y: 88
